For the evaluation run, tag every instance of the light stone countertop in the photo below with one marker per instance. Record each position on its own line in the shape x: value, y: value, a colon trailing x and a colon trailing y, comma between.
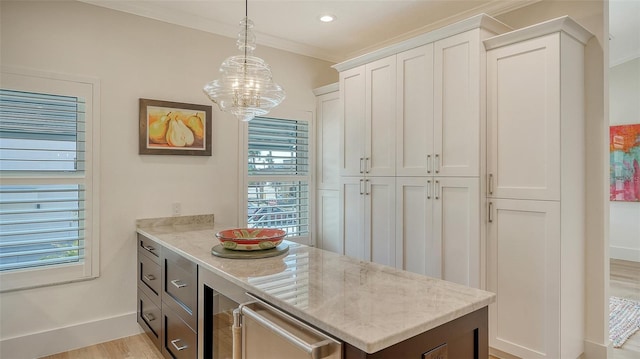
x: 367, y: 305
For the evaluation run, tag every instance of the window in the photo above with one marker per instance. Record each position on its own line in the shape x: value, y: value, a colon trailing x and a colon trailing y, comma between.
x: 278, y: 177
x: 48, y: 228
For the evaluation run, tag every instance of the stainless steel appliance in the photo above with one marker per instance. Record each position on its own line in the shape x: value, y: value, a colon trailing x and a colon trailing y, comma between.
x: 235, y: 325
x: 262, y: 331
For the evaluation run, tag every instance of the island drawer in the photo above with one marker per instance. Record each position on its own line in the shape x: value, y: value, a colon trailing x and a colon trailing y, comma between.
x: 180, y: 286
x: 149, y: 275
x: 180, y: 341
x: 149, y: 317
x: 149, y: 247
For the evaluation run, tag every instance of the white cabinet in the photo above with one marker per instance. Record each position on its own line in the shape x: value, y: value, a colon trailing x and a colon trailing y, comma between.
x: 367, y: 218
x: 457, y: 116
x: 524, y: 271
x: 438, y: 114
x: 524, y: 121
x: 414, y: 113
x: 438, y: 227
x: 328, y: 221
x: 327, y: 129
x: 327, y: 199
x: 536, y: 190
x: 367, y: 136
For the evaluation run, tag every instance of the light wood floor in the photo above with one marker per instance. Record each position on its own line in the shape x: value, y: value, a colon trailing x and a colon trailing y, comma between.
x: 134, y: 347
x: 624, y: 283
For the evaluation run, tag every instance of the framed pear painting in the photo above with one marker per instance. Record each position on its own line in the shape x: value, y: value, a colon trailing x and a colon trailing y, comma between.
x: 173, y: 128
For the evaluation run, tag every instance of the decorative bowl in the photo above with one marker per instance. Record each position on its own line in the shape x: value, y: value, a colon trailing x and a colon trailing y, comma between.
x: 250, y: 239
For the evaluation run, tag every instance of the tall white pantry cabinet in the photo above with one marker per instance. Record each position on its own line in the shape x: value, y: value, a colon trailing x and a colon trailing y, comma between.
x: 536, y: 189
x: 411, y: 143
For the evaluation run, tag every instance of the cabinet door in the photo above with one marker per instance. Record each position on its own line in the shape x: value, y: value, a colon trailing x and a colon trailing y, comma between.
x: 414, y: 112
x: 417, y: 249
x: 380, y: 140
x: 523, y: 121
x: 524, y: 272
x: 352, y: 121
x: 456, y: 225
x: 457, y: 105
x: 327, y: 223
x: 380, y: 199
x: 327, y: 139
x: 352, y: 216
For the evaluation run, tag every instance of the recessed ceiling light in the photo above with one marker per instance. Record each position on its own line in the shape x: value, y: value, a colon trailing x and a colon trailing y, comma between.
x: 327, y: 18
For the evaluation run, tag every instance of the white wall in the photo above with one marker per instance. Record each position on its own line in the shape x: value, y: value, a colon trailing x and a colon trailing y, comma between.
x: 134, y: 58
x: 624, y: 108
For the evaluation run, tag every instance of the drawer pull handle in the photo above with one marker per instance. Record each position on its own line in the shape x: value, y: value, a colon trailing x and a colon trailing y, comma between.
x: 178, y: 348
x: 149, y: 277
x: 178, y: 283
x: 148, y: 317
x: 149, y: 248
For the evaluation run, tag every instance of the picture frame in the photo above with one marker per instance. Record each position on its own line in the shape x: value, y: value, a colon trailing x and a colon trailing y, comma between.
x: 624, y: 162
x: 174, y: 128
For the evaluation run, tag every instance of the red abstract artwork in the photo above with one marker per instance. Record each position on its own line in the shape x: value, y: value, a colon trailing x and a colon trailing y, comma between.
x: 624, y: 161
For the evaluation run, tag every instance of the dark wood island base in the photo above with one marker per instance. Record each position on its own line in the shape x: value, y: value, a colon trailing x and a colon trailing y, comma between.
x: 464, y: 338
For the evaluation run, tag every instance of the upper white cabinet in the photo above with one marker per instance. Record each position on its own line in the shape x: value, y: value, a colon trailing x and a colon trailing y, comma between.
x: 414, y: 113
x: 456, y: 105
x: 524, y: 121
x: 367, y: 136
x: 439, y: 101
x: 536, y: 189
x: 327, y: 137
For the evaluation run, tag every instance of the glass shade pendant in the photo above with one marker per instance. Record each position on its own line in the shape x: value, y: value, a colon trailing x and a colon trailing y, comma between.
x: 246, y: 88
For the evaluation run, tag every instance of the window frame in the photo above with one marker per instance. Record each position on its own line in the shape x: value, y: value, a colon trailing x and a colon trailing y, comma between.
x: 29, y: 80
x: 281, y: 114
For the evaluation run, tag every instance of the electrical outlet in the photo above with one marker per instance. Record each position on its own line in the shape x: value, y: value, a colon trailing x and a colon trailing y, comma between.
x: 176, y: 209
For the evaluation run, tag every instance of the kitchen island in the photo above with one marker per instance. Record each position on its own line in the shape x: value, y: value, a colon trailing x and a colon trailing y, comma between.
x: 373, y: 309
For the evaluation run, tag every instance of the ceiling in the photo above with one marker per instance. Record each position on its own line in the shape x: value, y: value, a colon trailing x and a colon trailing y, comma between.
x: 361, y: 26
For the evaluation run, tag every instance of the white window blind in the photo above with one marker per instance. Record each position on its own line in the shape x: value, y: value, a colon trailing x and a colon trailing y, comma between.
x: 278, y: 175
x: 42, y: 149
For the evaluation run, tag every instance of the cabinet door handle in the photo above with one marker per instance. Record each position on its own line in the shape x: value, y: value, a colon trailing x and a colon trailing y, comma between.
x: 149, y: 277
x: 490, y: 212
x: 367, y: 164
x: 437, y: 163
x: 148, y: 317
x: 178, y: 348
x: 429, y: 189
x: 361, y: 160
x: 178, y: 283
x: 428, y: 163
x: 490, y: 183
x: 437, y: 190
x: 367, y: 187
x: 361, y: 189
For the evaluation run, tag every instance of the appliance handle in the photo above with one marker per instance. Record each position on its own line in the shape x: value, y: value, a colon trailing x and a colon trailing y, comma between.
x: 313, y: 349
x: 236, y: 330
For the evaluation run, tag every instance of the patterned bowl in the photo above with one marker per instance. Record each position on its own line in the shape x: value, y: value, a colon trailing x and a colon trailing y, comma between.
x: 251, y: 239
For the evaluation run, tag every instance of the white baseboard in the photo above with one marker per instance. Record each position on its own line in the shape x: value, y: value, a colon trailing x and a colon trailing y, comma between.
x: 594, y: 350
x: 628, y: 254
x: 59, y: 340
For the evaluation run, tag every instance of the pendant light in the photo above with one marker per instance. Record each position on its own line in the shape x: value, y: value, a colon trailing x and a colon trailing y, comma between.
x: 246, y: 88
